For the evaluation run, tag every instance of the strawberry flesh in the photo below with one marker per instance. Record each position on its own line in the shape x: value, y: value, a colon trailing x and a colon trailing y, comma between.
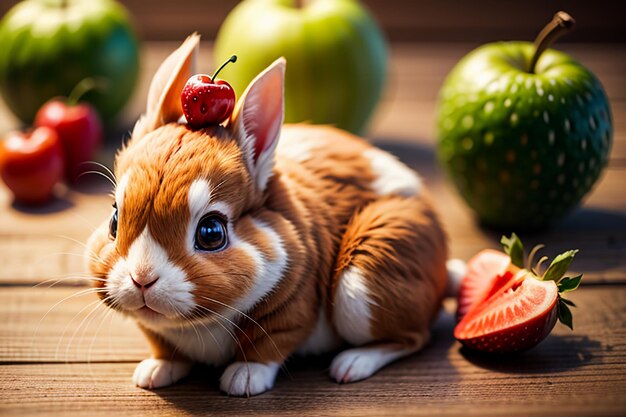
x: 517, y: 317
x: 487, y: 272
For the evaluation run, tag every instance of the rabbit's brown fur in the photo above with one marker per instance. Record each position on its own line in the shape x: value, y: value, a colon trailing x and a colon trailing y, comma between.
x: 359, y: 252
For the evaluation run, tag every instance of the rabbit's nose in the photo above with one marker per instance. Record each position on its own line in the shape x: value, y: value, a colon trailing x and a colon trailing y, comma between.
x: 144, y: 281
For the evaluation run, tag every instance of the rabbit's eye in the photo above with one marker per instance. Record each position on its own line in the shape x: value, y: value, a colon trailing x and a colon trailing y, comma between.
x: 211, y: 233
x: 113, y: 224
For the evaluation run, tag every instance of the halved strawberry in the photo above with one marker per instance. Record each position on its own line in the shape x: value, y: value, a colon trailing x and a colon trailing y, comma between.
x: 486, y: 271
x: 519, y: 311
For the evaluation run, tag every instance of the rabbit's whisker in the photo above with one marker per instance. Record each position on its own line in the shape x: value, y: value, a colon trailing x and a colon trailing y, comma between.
x: 99, y: 173
x: 91, y: 252
x: 256, y: 323
x: 66, y: 277
x: 232, y: 335
x: 80, y: 330
x: 111, y: 175
x: 107, y: 314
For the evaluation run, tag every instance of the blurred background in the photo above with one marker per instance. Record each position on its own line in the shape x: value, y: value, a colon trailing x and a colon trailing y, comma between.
x: 402, y: 20
x: 41, y: 246
x: 425, y: 40
x: 427, y: 23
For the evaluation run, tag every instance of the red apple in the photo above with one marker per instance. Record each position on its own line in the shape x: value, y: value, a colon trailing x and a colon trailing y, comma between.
x: 31, y: 164
x: 79, y: 129
x: 207, y: 100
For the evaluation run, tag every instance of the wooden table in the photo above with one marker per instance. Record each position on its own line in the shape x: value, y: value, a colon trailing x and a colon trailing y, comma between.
x: 59, y: 353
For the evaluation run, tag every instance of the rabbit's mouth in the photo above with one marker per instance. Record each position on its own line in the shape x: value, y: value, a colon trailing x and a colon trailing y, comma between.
x: 152, y: 317
x: 148, y: 313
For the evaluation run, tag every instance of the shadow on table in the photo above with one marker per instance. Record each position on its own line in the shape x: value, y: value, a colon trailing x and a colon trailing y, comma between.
x: 55, y: 205
x: 307, y: 387
x: 419, y: 156
x: 591, y: 218
x: 557, y: 353
x: 93, y: 185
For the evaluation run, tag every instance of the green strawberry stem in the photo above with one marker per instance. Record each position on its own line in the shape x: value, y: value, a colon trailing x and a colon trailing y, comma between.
x: 232, y: 59
x: 83, y: 87
x: 560, y: 24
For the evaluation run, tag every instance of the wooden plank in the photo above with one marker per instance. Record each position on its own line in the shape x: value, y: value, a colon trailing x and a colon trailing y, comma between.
x: 48, y: 242
x: 575, y: 373
x: 105, y: 389
x: 597, y: 229
x: 64, y: 325
x: 36, y: 248
x: 37, y: 326
x: 41, y: 244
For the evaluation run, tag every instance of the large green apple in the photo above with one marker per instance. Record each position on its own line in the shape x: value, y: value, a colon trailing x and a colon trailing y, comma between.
x: 523, y: 141
x: 336, y: 56
x: 49, y: 46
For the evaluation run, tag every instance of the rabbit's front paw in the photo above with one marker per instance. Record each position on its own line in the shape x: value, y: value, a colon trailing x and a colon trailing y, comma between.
x: 157, y: 373
x: 248, y: 378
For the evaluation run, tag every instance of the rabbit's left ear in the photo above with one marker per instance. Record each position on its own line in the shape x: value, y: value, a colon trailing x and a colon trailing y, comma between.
x: 257, y: 121
x: 164, y: 104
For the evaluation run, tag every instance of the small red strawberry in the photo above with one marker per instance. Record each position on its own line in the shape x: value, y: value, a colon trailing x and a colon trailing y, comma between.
x: 207, y: 100
x: 516, y: 309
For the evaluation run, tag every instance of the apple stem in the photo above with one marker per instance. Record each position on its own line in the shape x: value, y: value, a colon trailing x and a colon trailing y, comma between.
x: 560, y: 24
x: 82, y: 88
x: 231, y: 59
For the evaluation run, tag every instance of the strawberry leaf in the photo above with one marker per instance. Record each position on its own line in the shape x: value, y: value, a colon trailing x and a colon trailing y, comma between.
x: 559, y: 266
x: 568, y: 302
x: 569, y: 284
x: 514, y: 248
x: 565, y: 315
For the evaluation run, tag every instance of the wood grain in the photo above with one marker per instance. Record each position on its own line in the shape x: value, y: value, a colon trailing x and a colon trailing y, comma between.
x: 105, y: 389
x: 64, y: 325
x: 36, y: 248
x: 46, y: 325
x: 576, y: 372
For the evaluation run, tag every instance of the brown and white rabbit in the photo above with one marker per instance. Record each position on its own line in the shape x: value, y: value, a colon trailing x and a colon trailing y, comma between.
x: 245, y: 244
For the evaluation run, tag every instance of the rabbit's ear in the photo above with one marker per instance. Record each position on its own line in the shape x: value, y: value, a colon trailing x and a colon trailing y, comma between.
x: 164, y: 104
x: 257, y: 121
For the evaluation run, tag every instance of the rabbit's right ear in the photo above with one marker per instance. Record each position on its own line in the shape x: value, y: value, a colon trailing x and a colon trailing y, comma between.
x: 164, y: 104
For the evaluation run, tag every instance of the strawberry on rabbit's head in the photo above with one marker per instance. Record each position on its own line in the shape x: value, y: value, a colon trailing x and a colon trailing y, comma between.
x: 180, y: 192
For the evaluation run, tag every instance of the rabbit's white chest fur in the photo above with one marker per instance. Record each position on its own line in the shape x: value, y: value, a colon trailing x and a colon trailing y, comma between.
x: 212, y: 343
x: 322, y: 339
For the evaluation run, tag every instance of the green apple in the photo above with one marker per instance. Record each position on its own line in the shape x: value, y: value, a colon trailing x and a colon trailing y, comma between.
x: 49, y: 46
x: 336, y: 56
x: 524, y: 131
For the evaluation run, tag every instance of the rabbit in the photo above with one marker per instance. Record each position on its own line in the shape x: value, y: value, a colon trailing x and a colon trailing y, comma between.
x: 244, y: 244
